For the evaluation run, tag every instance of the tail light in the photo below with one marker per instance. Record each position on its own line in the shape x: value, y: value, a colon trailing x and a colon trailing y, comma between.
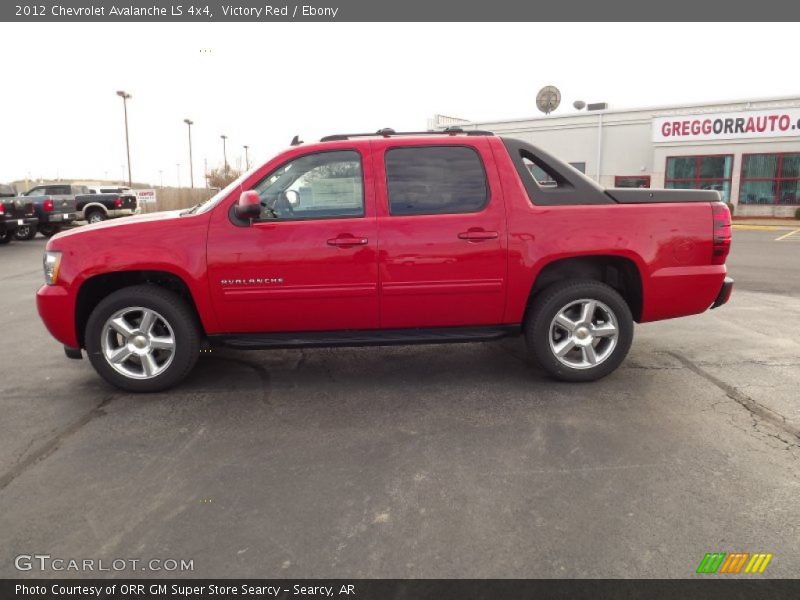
x: 117, y: 202
x: 48, y: 205
x: 2, y: 209
x: 722, y: 233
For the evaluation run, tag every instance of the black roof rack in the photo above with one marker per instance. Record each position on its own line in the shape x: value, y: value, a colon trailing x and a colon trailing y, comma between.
x: 388, y: 132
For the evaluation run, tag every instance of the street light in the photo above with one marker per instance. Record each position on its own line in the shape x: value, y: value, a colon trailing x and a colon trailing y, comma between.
x: 246, y: 159
x: 125, y: 97
x: 189, y: 122
x: 225, y: 153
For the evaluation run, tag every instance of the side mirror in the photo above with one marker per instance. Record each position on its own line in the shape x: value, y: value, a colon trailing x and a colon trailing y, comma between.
x: 292, y: 196
x: 249, y: 205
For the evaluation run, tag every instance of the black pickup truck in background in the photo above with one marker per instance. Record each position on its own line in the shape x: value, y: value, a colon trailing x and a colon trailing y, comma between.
x: 55, y: 207
x: 14, y: 212
x: 106, y: 202
x: 60, y: 204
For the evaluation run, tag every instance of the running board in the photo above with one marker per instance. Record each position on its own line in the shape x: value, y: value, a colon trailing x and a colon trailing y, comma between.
x: 386, y: 337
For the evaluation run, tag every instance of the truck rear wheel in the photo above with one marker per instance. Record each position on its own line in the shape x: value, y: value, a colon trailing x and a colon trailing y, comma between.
x: 96, y: 216
x: 579, y: 330
x: 143, y: 339
x: 25, y: 232
x: 49, y: 230
x: 6, y: 237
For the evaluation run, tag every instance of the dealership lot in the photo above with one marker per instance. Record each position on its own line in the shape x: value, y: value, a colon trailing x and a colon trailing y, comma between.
x: 457, y: 461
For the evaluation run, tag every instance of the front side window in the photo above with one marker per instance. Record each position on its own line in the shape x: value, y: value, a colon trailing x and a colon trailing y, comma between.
x: 325, y: 185
x: 37, y: 191
x: 435, y: 180
x: 770, y: 179
x: 700, y: 173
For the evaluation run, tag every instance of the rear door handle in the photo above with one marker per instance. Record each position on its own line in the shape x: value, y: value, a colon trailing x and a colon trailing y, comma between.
x: 474, y: 236
x: 345, y: 241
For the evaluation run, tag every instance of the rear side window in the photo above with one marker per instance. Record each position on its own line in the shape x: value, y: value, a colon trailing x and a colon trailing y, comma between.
x: 58, y: 190
x: 435, y: 180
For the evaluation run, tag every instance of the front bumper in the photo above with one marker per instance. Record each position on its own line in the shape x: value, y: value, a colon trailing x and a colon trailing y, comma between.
x: 724, y: 292
x: 57, y: 309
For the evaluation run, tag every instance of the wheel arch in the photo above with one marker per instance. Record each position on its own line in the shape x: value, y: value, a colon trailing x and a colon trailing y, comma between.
x: 620, y: 272
x: 97, y: 287
x: 95, y: 206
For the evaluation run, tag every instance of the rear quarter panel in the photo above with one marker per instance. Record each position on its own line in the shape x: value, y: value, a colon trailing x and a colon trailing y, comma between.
x: 671, y: 245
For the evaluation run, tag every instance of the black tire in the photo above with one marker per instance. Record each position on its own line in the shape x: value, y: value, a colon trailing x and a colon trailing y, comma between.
x: 96, y: 216
x: 6, y: 237
x: 169, y: 306
x: 540, y: 329
x: 25, y: 232
x: 49, y: 231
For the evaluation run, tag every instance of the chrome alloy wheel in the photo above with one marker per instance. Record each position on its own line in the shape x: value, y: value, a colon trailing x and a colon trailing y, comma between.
x: 138, y: 342
x: 583, y: 334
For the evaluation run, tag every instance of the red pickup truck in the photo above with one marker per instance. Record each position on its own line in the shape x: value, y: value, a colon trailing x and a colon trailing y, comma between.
x: 387, y: 238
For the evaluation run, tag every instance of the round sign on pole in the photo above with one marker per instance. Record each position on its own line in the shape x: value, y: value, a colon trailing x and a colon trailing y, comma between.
x: 548, y: 99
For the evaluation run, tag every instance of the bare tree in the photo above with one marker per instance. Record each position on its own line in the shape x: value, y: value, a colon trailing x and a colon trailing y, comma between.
x: 219, y: 178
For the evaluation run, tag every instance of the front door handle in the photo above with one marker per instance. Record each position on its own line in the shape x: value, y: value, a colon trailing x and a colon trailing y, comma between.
x: 345, y: 241
x: 477, y: 235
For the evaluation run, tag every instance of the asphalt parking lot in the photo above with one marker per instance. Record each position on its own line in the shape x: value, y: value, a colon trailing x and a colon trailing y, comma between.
x: 456, y: 461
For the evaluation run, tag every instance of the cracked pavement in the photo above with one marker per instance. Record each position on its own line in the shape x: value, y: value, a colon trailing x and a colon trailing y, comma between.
x: 424, y: 461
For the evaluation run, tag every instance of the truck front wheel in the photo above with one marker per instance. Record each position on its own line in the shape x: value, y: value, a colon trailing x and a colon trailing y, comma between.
x: 579, y: 330
x: 143, y: 339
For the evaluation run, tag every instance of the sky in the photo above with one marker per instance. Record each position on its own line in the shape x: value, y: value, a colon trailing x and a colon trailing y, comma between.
x: 262, y: 83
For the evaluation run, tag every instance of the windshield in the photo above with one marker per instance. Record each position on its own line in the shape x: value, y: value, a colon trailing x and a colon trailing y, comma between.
x: 220, y: 195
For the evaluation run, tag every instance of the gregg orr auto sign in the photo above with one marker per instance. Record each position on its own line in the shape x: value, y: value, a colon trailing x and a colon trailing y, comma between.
x: 784, y: 122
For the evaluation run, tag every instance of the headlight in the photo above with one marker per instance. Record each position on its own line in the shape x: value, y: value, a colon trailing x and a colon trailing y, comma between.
x: 52, y: 262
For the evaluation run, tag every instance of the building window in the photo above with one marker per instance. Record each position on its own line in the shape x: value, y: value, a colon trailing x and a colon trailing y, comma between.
x: 632, y: 181
x: 708, y: 172
x: 544, y: 179
x: 770, y: 179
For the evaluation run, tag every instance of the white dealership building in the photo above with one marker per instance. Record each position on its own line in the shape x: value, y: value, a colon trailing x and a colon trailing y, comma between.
x: 749, y: 150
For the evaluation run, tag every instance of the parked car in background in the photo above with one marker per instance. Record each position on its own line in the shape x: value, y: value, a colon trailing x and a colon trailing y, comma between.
x: 389, y: 239
x: 14, y: 212
x: 54, y: 206
x: 99, y: 203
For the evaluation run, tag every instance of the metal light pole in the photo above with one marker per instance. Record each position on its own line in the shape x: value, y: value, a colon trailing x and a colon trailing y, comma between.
x: 125, y: 97
x: 246, y: 159
x: 225, y: 153
x: 189, y: 122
